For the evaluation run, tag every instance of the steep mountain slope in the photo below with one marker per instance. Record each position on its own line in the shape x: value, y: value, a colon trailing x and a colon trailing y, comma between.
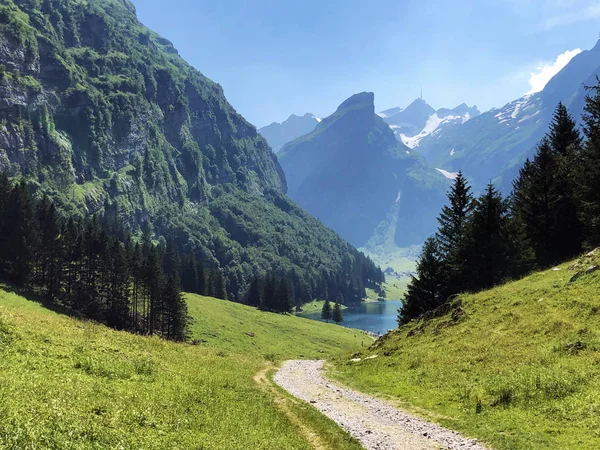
x: 515, y: 366
x: 103, y: 115
x: 353, y: 174
x: 495, y: 144
x: 279, y: 134
x: 420, y: 120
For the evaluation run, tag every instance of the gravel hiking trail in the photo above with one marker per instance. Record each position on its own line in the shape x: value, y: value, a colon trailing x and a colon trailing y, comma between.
x: 376, y: 424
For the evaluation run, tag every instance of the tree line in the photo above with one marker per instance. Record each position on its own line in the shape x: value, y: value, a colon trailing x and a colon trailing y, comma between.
x: 96, y: 268
x: 552, y: 214
x: 93, y: 267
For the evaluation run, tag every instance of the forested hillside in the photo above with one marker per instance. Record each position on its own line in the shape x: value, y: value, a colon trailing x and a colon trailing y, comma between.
x: 102, y: 115
x: 551, y: 215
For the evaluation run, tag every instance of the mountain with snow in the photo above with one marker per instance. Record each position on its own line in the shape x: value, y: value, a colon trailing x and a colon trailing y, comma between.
x: 278, y: 134
x: 419, y: 120
x: 355, y: 176
x: 494, y: 145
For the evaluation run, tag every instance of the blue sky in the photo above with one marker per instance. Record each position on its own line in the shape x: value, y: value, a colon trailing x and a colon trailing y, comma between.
x: 278, y: 57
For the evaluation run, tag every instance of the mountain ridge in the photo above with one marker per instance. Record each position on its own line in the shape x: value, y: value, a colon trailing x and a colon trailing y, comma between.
x: 355, y: 176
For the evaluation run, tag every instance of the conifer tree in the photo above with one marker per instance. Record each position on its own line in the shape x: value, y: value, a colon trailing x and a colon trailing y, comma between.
x: 284, y: 302
x: 119, y: 292
x: 590, y: 179
x: 254, y: 297
x: 337, y: 315
x: 535, y: 197
x: 176, y: 312
x: 451, y: 234
x: 488, y: 248
x: 426, y: 290
x: 270, y: 294
x: 326, y: 312
x: 565, y: 141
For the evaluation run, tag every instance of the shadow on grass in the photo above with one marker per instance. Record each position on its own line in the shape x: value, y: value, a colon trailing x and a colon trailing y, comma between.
x: 42, y: 300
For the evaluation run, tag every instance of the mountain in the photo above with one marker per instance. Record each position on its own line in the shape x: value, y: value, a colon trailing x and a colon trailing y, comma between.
x: 494, y: 145
x: 355, y: 176
x: 420, y: 120
x: 409, y: 121
x: 103, y: 115
x: 279, y: 134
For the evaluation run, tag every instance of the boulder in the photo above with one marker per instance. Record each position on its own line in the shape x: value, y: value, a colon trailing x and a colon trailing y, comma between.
x: 592, y: 269
x: 576, y: 276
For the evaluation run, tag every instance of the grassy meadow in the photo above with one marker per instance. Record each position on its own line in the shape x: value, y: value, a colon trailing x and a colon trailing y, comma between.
x: 517, y: 366
x: 71, y: 384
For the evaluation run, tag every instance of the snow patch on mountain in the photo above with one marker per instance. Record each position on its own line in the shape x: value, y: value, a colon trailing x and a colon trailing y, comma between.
x: 518, y: 109
x: 449, y: 175
x: 431, y: 127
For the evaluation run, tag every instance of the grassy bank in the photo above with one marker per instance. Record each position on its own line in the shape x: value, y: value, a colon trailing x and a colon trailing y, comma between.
x: 517, y: 366
x: 69, y: 384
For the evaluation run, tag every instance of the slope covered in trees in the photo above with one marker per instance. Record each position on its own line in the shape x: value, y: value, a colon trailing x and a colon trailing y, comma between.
x: 552, y: 215
x: 103, y: 116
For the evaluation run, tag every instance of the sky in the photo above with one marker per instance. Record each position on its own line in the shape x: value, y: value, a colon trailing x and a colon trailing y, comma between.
x: 280, y: 57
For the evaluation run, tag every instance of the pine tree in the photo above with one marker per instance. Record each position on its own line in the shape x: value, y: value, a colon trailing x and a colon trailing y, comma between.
x: 326, y: 312
x: 451, y: 232
x: 176, y: 312
x: 426, y: 291
x: 565, y: 140
x: 488, y: 249
x: 535, y: 197
x: 590, y: 179
x: 119, y: 292
x: 564, y: 136
x: 284, y: 302
x: 254, y: 297
x: 269, y: 302
x: 337, y: 314
x: 21, y: 234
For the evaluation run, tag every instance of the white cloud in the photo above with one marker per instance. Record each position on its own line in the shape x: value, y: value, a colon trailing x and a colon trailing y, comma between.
x: 545, y: 72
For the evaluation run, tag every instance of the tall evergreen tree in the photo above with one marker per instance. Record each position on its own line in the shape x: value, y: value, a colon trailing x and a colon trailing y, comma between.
x: 488, y: 249
x: 426, y: 291
x: 590, y: 176
x: 337, y: 315
x: 326, y: 312
x: 119, y: 292
x: 254, y: 297
x: 176, y: 313
x: 284, y: 301
x: 565, y: 140
x: 451, y: 234
x: 535, y: 197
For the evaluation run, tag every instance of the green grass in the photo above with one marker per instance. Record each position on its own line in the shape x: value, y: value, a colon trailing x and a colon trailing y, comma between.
x: 517, y: 366
x: 394, y: 290
x: 314, y: 306
x: 70, y: 384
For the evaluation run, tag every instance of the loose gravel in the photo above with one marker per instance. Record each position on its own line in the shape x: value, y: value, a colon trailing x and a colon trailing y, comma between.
x: 376, y: 424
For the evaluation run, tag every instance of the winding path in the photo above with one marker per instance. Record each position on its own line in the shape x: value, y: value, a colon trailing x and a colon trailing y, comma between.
x: 376, y: 424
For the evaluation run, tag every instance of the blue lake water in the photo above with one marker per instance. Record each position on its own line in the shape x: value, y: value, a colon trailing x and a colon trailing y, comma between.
x: 377, y: 317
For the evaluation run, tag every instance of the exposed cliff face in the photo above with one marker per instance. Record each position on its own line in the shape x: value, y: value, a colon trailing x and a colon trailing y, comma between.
x: 103, y: 115
x: 90, y: 88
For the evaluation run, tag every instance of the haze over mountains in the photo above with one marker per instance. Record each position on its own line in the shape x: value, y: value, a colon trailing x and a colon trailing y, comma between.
x: 279, y: 134
x: 339, y: 171
x: 355, y: 176
x: 494, y: 145
x: 103, y: 115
